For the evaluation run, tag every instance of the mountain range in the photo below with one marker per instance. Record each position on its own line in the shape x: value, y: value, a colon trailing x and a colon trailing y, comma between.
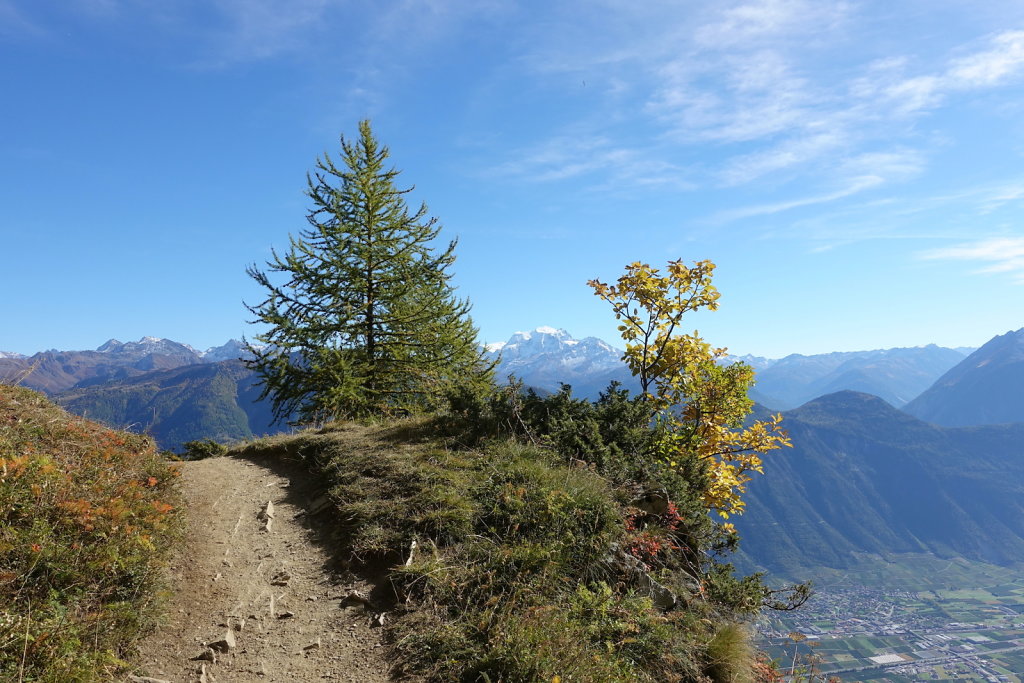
x: 943, y: 476
x: 986, y: 388
x: 168, y: 389
x: 896, y: 375
x: 215, y: 400
x: 55, y: 371
x: 546, y: 358
x: 99, y: 382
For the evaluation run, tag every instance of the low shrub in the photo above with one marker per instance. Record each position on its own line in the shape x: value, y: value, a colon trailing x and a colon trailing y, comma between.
x: 517, y: 571
x: 201, y: 449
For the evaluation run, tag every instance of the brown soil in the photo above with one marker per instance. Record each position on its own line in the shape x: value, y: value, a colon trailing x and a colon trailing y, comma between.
x: 281, y: 592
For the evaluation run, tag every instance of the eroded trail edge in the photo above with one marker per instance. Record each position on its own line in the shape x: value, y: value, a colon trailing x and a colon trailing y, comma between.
x: 257, y: 593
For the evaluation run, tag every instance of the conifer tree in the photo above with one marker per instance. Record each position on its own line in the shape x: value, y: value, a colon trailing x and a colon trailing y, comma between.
x: 366, y: 319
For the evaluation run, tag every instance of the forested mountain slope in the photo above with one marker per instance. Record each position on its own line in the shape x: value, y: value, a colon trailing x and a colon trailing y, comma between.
x: 865, y: 478
x: 203, y: 401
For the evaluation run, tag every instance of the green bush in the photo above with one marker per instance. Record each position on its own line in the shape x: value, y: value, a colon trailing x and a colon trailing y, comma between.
x: 201, y: 449
x: 541, y: 525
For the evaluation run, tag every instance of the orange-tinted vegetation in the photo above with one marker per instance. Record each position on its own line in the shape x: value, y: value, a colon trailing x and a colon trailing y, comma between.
x: 86, y: 514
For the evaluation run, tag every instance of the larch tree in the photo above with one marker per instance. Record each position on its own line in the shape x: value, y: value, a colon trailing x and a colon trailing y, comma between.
x: 360, y: 313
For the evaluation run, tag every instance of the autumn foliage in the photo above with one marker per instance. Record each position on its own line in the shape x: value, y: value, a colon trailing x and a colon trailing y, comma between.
x: 698, y: 401
x: 86, y: 513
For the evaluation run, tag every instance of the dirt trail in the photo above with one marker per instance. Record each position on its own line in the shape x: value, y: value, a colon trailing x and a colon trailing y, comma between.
x: 284, y: 600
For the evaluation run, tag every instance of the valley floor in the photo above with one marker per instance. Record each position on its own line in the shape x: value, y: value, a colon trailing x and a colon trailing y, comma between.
x: 895, y: 635
x: 292, y: 612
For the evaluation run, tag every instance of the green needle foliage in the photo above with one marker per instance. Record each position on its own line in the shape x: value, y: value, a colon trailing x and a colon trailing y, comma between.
x: 367, y: 321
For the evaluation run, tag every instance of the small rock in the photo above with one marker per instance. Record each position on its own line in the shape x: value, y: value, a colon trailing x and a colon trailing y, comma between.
x: 280, y: 579
x: 266, y: 515
x: 377, y: 620
x: 354, y: 597
x: 146, y: 679
x: 224, y: 644
x: 205, y: 676
x: 312, y: 646
x: 653, y: 502
x: 286, y: 615
x: 207, y: 655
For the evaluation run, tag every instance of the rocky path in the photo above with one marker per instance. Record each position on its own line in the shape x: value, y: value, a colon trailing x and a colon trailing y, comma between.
x: 257, y: 593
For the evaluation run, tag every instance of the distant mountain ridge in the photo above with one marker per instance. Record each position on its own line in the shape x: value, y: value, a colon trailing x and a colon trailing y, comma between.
x: 544, y: 358
x: 196, y: 401
x: 987, y: 387
x: 55, y: 371
x: 163, y: 387
x: 864, y: 478
x: 548, y: 357
x: 896, y: 375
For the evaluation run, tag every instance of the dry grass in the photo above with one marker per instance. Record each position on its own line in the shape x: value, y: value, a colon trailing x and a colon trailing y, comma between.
x: 86, y: 516
x: 510, y: 580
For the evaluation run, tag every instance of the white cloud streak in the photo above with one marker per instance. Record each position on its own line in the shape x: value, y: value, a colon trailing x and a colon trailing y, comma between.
x: 15, y: 24
x: 1001, y: 255
x: 260, y: 29
x: 856, y: 186
x: 755, y: 80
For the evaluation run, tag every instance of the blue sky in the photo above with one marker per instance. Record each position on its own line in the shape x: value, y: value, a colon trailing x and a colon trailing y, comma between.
x: 854, y: 168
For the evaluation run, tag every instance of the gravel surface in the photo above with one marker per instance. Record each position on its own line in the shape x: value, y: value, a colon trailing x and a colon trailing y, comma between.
x: 252, y: 603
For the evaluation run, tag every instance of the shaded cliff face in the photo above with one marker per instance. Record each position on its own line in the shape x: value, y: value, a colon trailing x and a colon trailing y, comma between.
x: 865, y: 478
x: 987, y: 387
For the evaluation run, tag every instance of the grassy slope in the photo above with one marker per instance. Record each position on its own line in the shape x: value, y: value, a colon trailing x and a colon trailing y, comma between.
x: 86, y: 516
x: 509, y: 580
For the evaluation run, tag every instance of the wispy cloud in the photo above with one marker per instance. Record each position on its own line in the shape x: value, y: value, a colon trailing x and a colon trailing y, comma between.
x: 15, y: 24
x: 998, y: 254
x: 856, y: 186
x: 860, y: 173
x: 781, y: 89
x: 1002, y: 61
x: 574, y: 156
x: 259, y: 29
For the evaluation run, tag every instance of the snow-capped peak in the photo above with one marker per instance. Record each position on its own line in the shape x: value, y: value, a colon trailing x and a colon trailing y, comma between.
x: 231, y: 350
x: 11, y: 354
x: 145, y: 346
x: 547, y: 356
